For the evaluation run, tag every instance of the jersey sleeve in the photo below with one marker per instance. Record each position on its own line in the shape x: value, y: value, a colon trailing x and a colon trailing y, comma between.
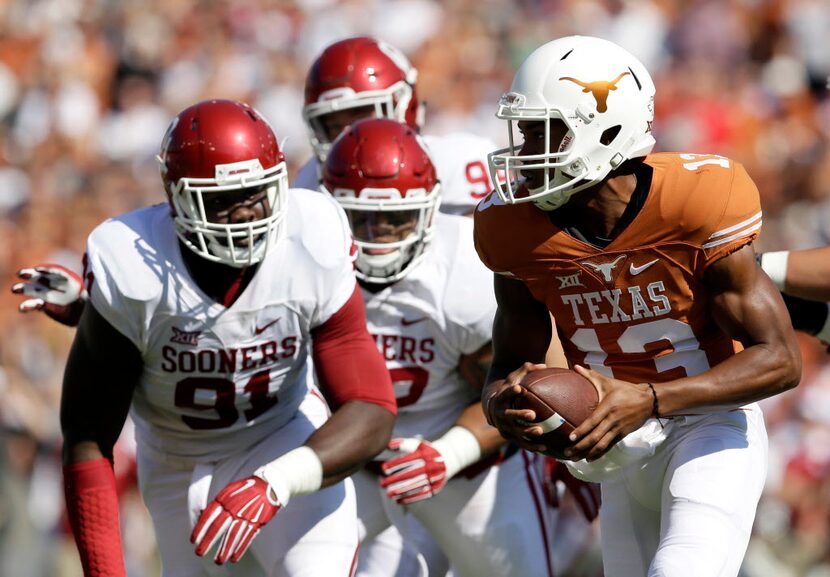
x: 739, y: 221
x: 461, y: 162
x: 328, y: 237
x: 108, y: 273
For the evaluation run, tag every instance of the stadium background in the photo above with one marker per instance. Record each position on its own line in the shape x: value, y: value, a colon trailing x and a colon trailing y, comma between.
x: 87, y: 88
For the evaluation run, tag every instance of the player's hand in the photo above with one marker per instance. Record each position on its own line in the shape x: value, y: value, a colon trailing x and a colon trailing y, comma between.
x: 623, y: 408
x: 586, y: 495
x: 416, y: 475
x: 498, y: 398
x: 53, y: 289
x: 235, y: 516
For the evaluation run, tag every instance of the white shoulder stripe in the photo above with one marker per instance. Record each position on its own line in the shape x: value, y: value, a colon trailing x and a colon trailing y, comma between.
x: 740, y: 225
x: 744, y: 232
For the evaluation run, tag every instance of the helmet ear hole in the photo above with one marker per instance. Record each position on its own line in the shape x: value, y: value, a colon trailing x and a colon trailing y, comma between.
x: 609, y: 134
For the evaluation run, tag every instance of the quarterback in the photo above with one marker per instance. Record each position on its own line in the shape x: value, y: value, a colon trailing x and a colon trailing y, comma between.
x: 202, y: 316
x: 646, y: 263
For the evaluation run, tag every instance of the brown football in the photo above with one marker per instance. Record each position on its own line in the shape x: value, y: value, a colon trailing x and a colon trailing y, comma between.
x: 562, y: 399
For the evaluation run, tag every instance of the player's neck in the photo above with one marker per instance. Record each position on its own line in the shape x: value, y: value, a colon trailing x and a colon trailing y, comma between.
x: 600, y: 214
x: 224, y: 284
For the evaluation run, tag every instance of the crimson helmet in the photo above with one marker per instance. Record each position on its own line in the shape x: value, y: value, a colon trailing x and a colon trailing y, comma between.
x: 381, y: 173
x: 218, y: 147
x: 359, y: 72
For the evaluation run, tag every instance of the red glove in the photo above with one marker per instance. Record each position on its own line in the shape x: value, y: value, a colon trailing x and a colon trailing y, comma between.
x: 415, y: 476
x: 55, y: 290
x: 236, y: 515
x: 586, y: 495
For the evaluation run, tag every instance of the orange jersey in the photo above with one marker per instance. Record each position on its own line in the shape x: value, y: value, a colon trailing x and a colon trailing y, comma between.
x: 636, y: 309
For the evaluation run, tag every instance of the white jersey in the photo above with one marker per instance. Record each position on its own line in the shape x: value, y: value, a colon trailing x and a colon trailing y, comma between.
x: 216, y: 379
x: 460, y: 160
x: 425, y: 322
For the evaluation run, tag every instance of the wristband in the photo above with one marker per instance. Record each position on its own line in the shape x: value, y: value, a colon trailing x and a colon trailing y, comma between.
x: 775, y: 265
x: 298, y: 472
x: 655, y: 406
x: 459, y: 448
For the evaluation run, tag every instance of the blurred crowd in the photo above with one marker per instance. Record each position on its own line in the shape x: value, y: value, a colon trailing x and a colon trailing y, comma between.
x: 87, y: 88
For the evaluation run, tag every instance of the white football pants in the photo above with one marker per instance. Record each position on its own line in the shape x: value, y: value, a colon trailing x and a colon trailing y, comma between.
x: 315, y: 535
x: 492, y: 525
x: 688, y: 511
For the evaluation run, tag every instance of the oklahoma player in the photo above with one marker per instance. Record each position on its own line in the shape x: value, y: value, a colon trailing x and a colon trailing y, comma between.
x: 430, y: 310
x: 646, y: 263
x: 362, y: 78
x: 195, y: 323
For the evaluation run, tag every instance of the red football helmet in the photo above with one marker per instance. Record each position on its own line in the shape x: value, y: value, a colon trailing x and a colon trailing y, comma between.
x: 356, y: 73
x: 218, y: 147
x: 381, y: 173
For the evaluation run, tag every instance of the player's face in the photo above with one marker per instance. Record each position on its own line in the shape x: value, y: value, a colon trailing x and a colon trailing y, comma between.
x: 533, y: 142
x: 237, y: 206
x: 333, y: 123
x: 382, y: 226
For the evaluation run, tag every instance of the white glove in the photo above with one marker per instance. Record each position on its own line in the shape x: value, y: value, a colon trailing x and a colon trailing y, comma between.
x: 54, y: 289
x: 48, y: 283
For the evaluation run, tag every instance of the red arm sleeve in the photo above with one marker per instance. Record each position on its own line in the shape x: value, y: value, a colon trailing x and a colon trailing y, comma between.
x: 348, y: 364
x: 92, y: 505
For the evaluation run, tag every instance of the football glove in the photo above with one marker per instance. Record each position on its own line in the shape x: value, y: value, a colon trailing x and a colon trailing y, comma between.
x: 425, y: 467
x: 415, y: 476
x: 235, y: 516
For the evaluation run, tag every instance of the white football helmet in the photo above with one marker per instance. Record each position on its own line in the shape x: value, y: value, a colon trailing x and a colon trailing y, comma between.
x: 605, y: 97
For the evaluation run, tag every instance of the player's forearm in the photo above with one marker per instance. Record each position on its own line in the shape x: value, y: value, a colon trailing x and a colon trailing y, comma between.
x: 354, y: 434
x: 755, y: 373
x: 802, y: 273
x: 488, y: 437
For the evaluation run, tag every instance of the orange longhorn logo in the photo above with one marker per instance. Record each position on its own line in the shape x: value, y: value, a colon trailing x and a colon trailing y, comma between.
x: 599, y: 88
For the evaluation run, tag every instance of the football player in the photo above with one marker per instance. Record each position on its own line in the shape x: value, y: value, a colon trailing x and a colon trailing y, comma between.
x: 646, y: 263
x: 363, y: 77
x: 202, y: 316
x: 430, y: 310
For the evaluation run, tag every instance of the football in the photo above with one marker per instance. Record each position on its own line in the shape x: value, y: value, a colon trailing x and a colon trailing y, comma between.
x: 562, y: 399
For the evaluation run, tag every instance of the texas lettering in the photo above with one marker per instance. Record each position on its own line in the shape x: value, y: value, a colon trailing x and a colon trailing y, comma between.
x: 619, y: 304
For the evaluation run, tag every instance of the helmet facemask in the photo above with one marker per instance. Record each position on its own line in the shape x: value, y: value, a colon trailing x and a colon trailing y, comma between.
x: 392, y: 103
x: 605, y: 98
x: 378, y: 215
x: 220, y: 242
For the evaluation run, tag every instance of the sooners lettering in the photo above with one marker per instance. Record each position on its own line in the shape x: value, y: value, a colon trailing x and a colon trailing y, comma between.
x: 405, y: 349
x: 227, y: 361
x: 618, y: 305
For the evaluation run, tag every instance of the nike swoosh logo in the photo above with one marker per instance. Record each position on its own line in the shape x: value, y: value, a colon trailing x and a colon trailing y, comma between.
x: 408, y: 322
x: 635, y: 270
x: 258, y: 330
